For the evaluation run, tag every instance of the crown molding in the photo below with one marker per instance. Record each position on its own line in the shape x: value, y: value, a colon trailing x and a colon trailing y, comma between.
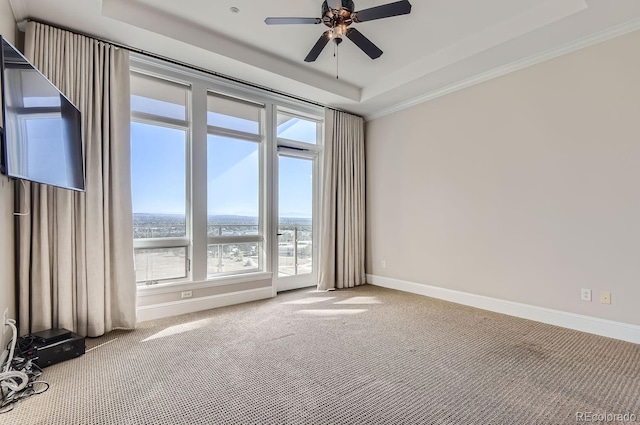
x: 590, y: 40
x: 19, y: 9
x: 544, y: 13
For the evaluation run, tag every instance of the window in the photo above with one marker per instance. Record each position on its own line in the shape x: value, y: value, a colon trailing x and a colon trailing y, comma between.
x: 155, y: 97
x: 297, y: 138
x: 234, y: 139
x: 233, y: 114
x: 159, y: 146
x: 204, y: 158
x: 298, y: 129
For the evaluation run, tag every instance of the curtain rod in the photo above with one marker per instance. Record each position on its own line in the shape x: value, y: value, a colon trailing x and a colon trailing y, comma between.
x: 22, y: 27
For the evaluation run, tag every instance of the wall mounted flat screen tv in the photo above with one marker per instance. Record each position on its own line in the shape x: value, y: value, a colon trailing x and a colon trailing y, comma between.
x: 42, y: 134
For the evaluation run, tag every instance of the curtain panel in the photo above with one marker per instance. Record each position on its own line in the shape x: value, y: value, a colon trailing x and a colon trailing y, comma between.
x: 75, y: 250
x: 342, y: 225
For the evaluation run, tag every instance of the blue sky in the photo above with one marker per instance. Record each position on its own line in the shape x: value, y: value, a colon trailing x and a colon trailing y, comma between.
x: 158, y: 170
x: 295, y: 187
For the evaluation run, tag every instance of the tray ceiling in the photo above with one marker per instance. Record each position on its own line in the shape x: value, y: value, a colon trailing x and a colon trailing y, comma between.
x: 441, y: 46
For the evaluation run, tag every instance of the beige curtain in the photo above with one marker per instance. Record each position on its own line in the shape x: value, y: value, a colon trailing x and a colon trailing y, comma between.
x: 342, y: 223
x: 75, y: 251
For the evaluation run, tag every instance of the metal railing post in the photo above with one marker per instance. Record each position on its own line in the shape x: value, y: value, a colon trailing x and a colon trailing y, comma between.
x: 219, y: 251
x: 295, y: 251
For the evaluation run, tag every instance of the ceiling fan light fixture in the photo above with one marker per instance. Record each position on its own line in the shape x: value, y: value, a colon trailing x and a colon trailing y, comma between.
x: 338, y: 15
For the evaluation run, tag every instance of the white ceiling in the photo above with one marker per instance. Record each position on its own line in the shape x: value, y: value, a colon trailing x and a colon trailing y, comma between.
x: 441, y: 46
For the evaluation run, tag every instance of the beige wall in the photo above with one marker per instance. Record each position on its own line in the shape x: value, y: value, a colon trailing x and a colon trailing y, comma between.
x: 523, y: 188
x: 7, y: 258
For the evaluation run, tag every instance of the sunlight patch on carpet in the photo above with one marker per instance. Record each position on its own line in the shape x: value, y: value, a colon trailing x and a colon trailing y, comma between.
x: 360, y: 300
x: 178, y: 329
x: 309, y: 300
x: 336, y: 312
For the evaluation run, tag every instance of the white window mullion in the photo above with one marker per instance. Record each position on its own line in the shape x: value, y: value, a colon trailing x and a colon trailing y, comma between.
x: 271, y: 215
x: 199, y: 183
x: 160, y: 243
x: 235, y: 134
x: 216, y: 240
x: 154, y: 119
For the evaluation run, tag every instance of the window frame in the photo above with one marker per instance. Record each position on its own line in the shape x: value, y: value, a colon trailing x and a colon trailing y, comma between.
x: 202, y: 83
x: 316, y: 147
x: 243, y: 136
x: 314, y: 153
x: 183, y: 125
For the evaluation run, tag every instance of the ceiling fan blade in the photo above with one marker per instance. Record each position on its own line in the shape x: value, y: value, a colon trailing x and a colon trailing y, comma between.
x: 290, y: 21
x: 334, y: 4
x: 364, y: 43
x: 385, y: 11
x: 319, y: 46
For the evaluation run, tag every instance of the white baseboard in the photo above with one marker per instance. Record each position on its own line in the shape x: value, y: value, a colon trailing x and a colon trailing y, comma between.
x: 593, y: 325
x: 175, y: 308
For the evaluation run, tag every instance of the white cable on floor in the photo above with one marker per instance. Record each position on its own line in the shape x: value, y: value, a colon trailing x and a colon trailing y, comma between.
x: 11, y: 323
x: 8, y: 376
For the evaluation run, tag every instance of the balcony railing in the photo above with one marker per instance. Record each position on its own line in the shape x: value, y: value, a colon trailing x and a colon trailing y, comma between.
x: 295, y: 251
x: 161, y: 249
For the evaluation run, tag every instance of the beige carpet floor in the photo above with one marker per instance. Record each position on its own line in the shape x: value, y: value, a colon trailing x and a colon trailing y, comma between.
x: 363, y: 356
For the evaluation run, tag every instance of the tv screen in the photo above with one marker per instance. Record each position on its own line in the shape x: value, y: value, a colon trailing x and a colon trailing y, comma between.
x: 42, y: 129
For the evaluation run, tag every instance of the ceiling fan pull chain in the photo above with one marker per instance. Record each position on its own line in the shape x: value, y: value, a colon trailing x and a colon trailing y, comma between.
x: 337, y: 61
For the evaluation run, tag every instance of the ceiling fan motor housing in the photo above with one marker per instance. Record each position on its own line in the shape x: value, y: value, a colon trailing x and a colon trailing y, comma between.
x: 342, y: 17
x: 346, y: 4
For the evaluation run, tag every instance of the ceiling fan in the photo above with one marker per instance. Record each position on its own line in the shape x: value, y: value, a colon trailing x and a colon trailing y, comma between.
x: 338, y: 15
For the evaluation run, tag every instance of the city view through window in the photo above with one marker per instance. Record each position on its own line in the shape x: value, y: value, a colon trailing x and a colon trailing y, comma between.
x: 159, y: 193
x: 170, y: 263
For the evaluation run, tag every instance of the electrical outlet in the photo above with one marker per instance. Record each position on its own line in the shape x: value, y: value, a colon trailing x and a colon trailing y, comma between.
x: 605, y: 297
x: 384, y: 264
x: 5, y: 316
x: 585, y: 294
x: 186, y: 294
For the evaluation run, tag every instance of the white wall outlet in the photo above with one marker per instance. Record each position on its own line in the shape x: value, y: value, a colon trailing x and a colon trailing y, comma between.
x: 383, y: 263
x: 186, y: 294
x: 605, y: 297
x: 5, y: 316
x: 585, y: 294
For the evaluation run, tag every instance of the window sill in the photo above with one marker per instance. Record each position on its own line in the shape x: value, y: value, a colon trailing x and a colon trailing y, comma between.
x: 167, y: 288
